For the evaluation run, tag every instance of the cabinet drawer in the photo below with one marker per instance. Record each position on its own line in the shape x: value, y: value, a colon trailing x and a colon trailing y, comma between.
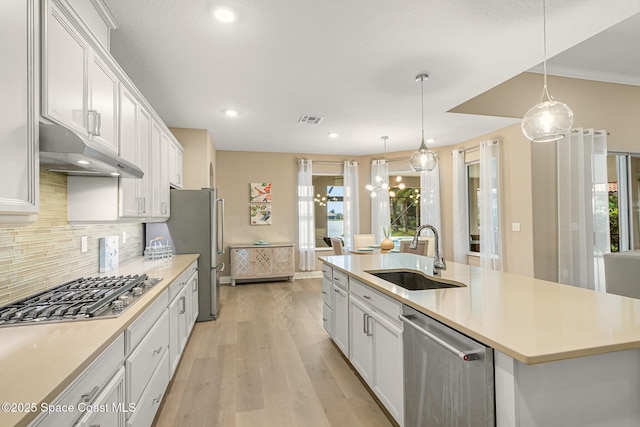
x: 109, y: 408
x: 381, y: 303
x: 86, y: 387
x: 146, y: 357
x: 341, y: 279
x: 179, y: 284
x: 139, y: 328
x: 326, y: 292
x: 327, y: 271
x: 152, y: 397
x: 327, y: 315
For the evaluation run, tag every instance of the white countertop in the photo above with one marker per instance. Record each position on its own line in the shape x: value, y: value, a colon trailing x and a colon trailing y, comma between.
x: 531, y: 320
x: 40, y: 361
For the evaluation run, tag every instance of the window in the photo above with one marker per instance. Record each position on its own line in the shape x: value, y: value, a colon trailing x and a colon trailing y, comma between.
x: 624, y: 201
x: 473, y: 205
x: 329, y: 211
x: 404, y: 205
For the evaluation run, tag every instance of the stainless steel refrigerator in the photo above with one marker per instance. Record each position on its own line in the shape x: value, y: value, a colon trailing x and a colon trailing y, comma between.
x: 196, y: 225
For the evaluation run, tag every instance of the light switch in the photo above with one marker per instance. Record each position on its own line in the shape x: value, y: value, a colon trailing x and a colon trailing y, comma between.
x: 124, y: 237
x: 515, y: 226
x: 83, y: 244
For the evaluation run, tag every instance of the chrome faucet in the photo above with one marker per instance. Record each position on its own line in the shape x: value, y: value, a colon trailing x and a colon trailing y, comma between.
x: 438, y: 262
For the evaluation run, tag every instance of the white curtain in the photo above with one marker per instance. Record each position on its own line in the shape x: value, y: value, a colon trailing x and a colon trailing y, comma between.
x: 350, y: 203
x: 583, y: 208
x: 489, y: 198
x: 430, y: 200
x: 306, y: 221
x: 460, y: 215
x: 380, y: 215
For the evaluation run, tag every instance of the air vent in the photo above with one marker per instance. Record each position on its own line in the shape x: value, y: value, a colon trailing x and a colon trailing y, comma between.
x: 310, y: 120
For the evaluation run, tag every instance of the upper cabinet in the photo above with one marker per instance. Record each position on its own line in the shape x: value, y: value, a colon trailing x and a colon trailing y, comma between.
x: 79, y: 85
x: 19, y: 107
x: 85, y: 90
x: 175, y: 165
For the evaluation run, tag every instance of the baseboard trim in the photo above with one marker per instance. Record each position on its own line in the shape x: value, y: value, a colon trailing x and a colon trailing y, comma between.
x: 226, y: 280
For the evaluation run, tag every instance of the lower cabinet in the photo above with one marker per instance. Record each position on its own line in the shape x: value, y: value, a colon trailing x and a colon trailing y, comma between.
x: 262, y: 261
x: 125, y: 385
x: 364, y: 325
x: 108, y: 408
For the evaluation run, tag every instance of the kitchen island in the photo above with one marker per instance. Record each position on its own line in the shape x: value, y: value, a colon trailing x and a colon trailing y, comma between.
x: 563, y: 355
x: 40, y: 361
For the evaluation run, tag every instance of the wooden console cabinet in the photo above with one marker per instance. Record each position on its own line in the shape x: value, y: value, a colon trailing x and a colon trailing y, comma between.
x: 251, y: 261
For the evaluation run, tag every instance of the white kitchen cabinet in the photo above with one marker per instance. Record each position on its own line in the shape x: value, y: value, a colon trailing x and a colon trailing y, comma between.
x: 19, y: 193
x: 177, y: 328
x: 130, y: 200
x: 361, y: 339
x: 159, y: 171
x: 108, y: 408
x: 65, y: 54
x: 152, y: 396
x: 175, y: 164
x: 80, y: 88
x: 376, y: 344
x: 341, y: 319
x: 193, y: 291
x: 135, y: 140
x: 86, y: 387
x: 261, y: 261
x: 103, y: 103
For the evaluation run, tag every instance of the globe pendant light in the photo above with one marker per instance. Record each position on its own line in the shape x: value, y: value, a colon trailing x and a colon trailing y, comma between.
x: 423, y: 159
x: 548, y: 120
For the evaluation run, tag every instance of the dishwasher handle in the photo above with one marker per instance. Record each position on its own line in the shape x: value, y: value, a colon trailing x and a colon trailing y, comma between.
x: 465, y: 356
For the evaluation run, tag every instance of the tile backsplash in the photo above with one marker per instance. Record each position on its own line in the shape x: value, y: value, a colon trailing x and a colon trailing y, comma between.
x: 47, y: 252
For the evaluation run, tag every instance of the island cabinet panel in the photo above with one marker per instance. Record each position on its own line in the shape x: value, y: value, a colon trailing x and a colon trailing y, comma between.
x: 361, y: 343
x: 599, y: 390
x: 388, y: 372
x: 251, y: 262
x: 341, y: 319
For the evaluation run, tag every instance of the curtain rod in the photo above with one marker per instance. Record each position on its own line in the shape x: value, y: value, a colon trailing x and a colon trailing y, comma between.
x: 329, y: 162
x: 585, y: 132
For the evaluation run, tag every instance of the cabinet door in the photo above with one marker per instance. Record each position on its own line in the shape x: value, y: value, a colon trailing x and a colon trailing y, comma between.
x: 109, y: 408
x: 65, y: 72
x: 341, y: 319
x: 179, y: 168
x: 193, y: 288
x: 157, y: 184
x: 130, y: 202
x: 103, y: 103
x: 177, y: 328
x: 144, y: 163
x: 19, y: 125
x: 283, y: 261
x: 361, y: 342
x: 262, y: 259
x: 387, y: 365
x: 175, y: 165
x: 165, y: 142
x: 241, y: 263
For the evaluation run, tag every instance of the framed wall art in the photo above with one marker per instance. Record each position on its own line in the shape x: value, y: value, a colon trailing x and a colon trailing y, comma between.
x: 260, y: 192
x: 260, y: 214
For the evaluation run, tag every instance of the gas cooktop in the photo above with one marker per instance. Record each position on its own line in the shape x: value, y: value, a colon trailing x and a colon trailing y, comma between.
x: 84, y: 298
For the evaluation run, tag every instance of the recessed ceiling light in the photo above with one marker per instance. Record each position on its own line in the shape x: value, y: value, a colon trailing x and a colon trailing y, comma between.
x: 224, y: 15
x: 230, y: 113
x: 83, y: 162
x: 333, y: 135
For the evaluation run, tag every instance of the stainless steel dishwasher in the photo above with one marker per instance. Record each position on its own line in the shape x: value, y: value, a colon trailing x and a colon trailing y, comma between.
x: 448, y: 377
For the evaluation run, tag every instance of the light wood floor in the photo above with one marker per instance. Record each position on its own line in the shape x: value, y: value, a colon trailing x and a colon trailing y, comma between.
x: 267, y: 361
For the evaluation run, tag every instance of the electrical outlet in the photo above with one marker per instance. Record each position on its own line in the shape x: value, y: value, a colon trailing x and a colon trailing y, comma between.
x: 124, y: 237
x: 83, y: 244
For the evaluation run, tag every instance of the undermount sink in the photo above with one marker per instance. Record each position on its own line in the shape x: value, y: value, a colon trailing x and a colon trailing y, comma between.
x: 413, y: 280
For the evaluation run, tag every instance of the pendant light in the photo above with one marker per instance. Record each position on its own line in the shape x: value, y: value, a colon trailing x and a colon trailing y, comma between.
x: 423, y: 159
x: 548, y: 120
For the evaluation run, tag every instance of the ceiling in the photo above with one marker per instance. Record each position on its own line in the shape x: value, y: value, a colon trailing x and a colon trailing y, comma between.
x: 354, y: 63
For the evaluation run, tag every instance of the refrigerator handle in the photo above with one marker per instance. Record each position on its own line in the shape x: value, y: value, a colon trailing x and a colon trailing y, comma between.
x: 220, y: 230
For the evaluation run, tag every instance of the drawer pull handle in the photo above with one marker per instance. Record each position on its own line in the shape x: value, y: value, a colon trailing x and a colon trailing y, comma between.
x: 335, y: 290
x: 324, y: 319
x: 157, y: 399
x: 324, y: 292
x: 88, y: 397
x: 158, y: 350
x: 94, y: 425
x: 366, y: 297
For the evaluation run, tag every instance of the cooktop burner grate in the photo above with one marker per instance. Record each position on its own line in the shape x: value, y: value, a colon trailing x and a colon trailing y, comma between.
x: 83, y: 298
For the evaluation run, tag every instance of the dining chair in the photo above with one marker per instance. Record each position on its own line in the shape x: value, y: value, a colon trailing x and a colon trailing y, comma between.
x: 421, y: 249
x: 336, y: 244
x: 363, y: 240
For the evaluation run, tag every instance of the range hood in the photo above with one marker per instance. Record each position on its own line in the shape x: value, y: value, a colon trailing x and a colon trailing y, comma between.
x: 62, y: 150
